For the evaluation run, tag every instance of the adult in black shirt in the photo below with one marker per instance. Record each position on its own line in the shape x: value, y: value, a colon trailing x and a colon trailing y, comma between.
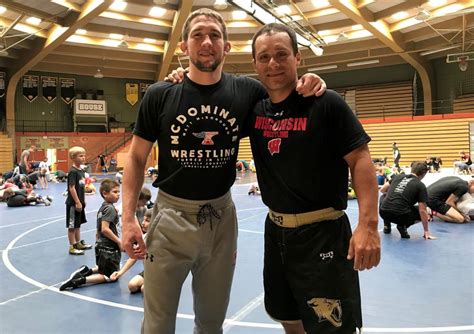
x: 443, y: 196
x: 303, y: 148
x: 197, y: 125
x: 399, y: 199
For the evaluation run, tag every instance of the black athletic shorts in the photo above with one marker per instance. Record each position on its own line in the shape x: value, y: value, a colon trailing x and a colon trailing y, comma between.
x: 438, y: 205
x: 407, y: 219
x: 74, y: 219
x: 107, y: 259
x: 17, y: 200
x: 307, y: 276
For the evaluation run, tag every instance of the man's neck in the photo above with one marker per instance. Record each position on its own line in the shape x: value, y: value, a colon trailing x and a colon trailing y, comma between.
x: 204, y: 78
x: 280, y: 95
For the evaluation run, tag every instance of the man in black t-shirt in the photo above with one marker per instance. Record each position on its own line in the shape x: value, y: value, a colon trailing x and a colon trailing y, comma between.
x: 197, y: 125
x: 399, y: 199
x: 303, y: 148
x: 443, y: 196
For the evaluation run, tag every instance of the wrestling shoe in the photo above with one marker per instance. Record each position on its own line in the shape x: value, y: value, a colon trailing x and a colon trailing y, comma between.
x: 81, y: 245
x: 49, y: 198
x: 83, y: 271
x: 403, y: 231
x: 74, y: 251
x: 387, y: 227
x: 72, y: 283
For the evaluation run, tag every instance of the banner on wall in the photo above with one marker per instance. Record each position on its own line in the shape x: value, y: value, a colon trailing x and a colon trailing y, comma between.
x: 90, y: 107
x: 30, y: 87
x: 2, y: 83
x: 68, y: 91
x: 143, y: 88
x: 131, y: 93
x: 44, y: 142
x: 49, y: 87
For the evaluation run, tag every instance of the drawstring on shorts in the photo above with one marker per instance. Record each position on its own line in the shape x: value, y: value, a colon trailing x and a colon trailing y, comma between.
x: 202, y: 214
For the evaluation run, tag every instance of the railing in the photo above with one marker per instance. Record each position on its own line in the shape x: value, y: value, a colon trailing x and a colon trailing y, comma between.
x: 42, y: 126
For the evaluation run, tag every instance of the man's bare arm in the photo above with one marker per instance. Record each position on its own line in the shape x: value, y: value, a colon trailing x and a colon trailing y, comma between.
x: 133, y: 175
x: 365, y: 242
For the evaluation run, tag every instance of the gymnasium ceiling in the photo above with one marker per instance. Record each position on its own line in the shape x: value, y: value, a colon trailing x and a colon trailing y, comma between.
x: 127, y: 39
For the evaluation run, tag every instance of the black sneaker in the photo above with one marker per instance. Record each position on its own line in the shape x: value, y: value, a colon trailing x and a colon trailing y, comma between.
x: 81, y: 272
x: 387, y: 228
x: 72, y: 283
x: 403, y: 231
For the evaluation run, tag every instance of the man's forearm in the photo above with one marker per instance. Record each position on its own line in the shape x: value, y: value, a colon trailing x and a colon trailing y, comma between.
x: 133, y: 178
x: 365, y: 186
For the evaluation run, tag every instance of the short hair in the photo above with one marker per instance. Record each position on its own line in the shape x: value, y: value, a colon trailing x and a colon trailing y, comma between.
x: 209, y: 13
x: 107, y: 185
x: 275, y: 28
x: 145, y: 194
x: 148, y: 213
x: 74, y: 151
x: 419, y: 168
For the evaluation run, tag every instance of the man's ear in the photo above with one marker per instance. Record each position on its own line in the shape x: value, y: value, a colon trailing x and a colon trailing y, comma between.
x: 227, y: 48
x: 298, y: 58
x: 184, y: 47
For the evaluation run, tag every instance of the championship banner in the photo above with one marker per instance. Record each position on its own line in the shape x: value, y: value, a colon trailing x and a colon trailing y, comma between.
x: 143, y: 88
x: 131, y: 90
x: 49, y: 87
x: 30, y: 87
x: 2, y: 83
x: 68, y: 91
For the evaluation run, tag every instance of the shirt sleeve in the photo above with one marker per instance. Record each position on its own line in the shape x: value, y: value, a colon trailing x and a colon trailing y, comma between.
x: 349, y: 131
x: 109, y: 214
x: 461, y: 189
x: 147, y: 123
x: 72, y: 178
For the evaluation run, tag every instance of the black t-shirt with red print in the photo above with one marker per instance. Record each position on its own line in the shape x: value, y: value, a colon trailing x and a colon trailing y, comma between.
x: 298, y: 146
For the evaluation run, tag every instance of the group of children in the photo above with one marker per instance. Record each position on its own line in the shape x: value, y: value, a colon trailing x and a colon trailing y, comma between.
x: 108, y: 247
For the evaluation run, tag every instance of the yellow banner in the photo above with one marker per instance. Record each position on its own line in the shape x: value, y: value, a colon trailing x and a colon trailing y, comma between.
x: 132, y: 93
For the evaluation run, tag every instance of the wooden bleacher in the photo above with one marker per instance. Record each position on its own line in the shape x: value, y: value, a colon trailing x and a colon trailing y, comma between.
x: 463, y: 104
x: 384, y: 101
x: 245, y: 152
x: 6, y: 153
x: 418, y: 139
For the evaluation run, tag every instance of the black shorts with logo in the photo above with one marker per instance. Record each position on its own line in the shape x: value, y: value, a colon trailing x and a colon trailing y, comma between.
x: 307, y: 276
x: 107, y: 259
x: 74, y: 219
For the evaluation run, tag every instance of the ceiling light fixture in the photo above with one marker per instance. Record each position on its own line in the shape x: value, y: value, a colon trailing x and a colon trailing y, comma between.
x: 422, y: 15
x: 263, y: 13
x: 365, y: 62
x: 81, y: 31
x: 116, y: 36
x: 98, y: 74
x: 33, y: 20
x: 118, y: 5
x: 322, y: 68
x: 400, y: 16
x: 123, y: 44
x: 220, y: 4
x: 157, y: 12
x: 342, y: 37
x: 160, y: 2
x: 2, y: 9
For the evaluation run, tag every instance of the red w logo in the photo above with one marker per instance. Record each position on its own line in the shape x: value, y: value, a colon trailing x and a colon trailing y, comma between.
x: 274, y: 145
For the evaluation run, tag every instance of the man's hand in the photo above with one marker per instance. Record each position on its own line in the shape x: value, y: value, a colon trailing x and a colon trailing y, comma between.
x: 427, y: 236
x: 176, y: 76
x: 310, y: 84
x: 132, y: 239
x: 79, y: 207
x: 364, y: 248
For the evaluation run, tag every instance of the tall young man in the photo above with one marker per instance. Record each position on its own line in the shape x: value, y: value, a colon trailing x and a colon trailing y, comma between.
x: 194, y: 228
x: 302, y: 149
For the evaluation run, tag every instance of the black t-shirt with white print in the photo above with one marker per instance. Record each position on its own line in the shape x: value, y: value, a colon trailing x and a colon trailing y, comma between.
x: 298, y: 146
x: 198, y: 128
x: 404, y: 192
x: 77, y: 178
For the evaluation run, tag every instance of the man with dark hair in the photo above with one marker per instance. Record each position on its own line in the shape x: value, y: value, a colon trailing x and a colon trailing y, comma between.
x: 197, y: 125
x: 397, y: 204
x: 302, y: 149
x: 443, y: 196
